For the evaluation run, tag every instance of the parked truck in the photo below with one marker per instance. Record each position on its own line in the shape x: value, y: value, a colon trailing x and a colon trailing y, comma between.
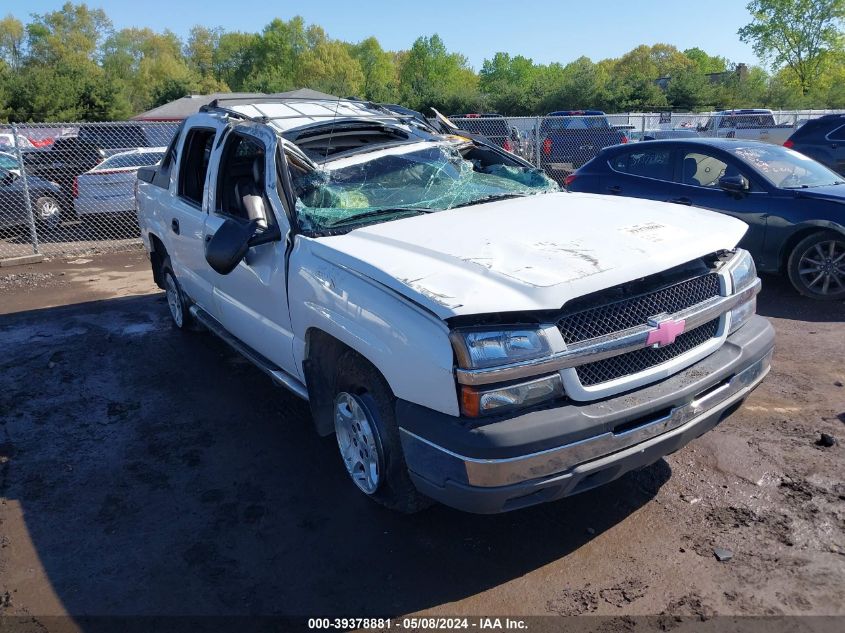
x: 754, y: 124
x: 468, y: 332
x: 570, y: 138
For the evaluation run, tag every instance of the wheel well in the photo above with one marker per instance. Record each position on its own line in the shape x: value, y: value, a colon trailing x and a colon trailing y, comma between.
x: 792, y: 242
x: 157, y: 256
x: 322, y: 352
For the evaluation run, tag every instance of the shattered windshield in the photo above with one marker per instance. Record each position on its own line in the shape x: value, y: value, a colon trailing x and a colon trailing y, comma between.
x: 408, y: 180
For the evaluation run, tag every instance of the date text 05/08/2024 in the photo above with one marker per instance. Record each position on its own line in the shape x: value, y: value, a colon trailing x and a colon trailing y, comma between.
x: 419, y: 623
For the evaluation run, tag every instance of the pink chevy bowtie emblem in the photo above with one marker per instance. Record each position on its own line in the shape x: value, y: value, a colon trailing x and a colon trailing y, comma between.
x: 666, y: 333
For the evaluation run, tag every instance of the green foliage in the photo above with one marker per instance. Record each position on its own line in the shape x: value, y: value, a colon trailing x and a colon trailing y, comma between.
x: 431, y: 76
x: 798, y: 34
x: 71, y: 64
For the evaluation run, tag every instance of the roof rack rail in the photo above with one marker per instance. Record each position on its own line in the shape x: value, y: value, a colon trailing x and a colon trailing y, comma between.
x: 380, y: 110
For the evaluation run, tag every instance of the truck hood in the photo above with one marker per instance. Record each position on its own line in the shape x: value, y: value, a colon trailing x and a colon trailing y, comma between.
x: 531, y: 253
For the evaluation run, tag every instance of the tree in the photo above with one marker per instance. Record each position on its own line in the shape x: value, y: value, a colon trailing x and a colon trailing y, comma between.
x: 688, y: 90
x: 378, y: 69
x: 234, y: 58
x: 11, y: 42
x: 150, y: 67
x: 705, y: 63
x: 71, y: 35
x: 199, y: 50
x: 798, y: 34
x: 330, y: 67
x: 431, y: 76
x: 508, y: 83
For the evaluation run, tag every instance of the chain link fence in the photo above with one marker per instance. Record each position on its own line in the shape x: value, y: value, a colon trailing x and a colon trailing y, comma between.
x: 561, y: 143
x: 69, y: 188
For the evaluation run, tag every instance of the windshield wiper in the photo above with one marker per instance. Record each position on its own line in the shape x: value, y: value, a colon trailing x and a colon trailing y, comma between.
x: 490, y: 198
x: 375, y: 213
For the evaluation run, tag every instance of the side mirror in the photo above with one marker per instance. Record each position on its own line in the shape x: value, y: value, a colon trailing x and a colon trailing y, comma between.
x: 734, y: 184
x: 229, y: 244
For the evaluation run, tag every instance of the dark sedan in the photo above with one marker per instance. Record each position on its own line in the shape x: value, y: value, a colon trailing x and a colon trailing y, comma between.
x: 43, y: 195
x: 794, y: 206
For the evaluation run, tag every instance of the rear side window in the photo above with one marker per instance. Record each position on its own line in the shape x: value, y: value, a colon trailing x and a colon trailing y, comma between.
x: 484, y: 126
x: 838, y: 134
x: 194, y: 165
x: 135, y: 159
x: 655, y: 163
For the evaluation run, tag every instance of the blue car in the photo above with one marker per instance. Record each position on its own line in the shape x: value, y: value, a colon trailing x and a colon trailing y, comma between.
x: 793, y: 205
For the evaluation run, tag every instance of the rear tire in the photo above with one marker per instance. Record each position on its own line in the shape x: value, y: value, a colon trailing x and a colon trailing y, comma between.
x: 368, y: 436
x: 816, y: 266
x: 177, y: 302
x: 48, y: 212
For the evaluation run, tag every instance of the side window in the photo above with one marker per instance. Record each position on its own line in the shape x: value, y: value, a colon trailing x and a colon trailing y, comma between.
x: 837, y: 135
x: 653, y: 163
x: 194, y: 165
x: 241, y: 181
x: 703, y: 170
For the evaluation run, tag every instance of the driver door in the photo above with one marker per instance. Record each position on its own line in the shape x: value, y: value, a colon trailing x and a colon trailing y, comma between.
x: 697, y: 173
x: 251, y: 301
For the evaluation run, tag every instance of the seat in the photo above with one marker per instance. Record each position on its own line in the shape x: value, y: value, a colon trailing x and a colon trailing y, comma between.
x: 690, y: 170
x: 250, y: 194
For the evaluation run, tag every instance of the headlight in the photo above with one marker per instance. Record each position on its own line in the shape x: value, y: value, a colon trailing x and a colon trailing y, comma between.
x: 477, y: 402
x: 478, y: 349
x: 743, y: 271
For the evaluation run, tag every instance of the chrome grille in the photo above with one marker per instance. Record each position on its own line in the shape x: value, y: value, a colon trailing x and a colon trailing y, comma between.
x: 627, y: 313
x: 642, y: 359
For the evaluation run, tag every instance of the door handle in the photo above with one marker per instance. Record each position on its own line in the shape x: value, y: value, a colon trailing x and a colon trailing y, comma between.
x: 174, y: 226
x: 615, y: 189
x: 685, y: 201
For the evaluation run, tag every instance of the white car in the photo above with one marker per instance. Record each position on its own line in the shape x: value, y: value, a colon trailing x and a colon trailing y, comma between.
x: 469, y: 332
x: 110, y: 186
x: 7, y: 142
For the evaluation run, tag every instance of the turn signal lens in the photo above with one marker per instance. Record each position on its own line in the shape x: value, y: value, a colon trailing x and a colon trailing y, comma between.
x: 477, y: 402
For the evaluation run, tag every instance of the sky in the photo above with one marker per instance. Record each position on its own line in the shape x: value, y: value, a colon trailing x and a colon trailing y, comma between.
x: 544, y: 31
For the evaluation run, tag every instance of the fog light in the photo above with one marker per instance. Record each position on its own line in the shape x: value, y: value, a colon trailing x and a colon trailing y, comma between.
x: 741, y: 314
x: 476, y: 402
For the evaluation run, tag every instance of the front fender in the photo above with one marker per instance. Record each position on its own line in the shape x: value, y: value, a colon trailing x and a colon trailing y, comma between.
x: 799, y: 231
x: 406, y: 343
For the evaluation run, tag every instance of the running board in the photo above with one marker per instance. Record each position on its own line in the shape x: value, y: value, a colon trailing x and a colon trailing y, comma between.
x: 275, y: 372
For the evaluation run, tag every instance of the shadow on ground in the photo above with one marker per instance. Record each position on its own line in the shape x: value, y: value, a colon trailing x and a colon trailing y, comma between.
x: 159, y: 473
x: 779, y: 299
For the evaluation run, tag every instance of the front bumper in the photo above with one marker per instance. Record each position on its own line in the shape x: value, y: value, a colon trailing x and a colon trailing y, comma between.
x: 548, y: 454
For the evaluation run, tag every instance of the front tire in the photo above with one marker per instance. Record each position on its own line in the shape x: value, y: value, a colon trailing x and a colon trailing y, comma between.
x: 177, y: 303
x: 368, y: 436
x: 816, y: 266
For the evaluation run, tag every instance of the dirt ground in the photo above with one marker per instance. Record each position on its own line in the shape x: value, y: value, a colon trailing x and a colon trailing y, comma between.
x: 144, y: 471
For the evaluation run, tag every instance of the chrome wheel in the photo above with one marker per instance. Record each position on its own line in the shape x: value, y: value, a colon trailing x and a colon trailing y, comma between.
x: 49, y: 212
x: 822, y: 268
x: 358, y: 443
x: 174, y: 300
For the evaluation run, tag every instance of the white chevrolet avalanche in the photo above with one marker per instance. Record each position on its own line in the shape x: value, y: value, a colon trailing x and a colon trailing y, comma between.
x: 470, y: 333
